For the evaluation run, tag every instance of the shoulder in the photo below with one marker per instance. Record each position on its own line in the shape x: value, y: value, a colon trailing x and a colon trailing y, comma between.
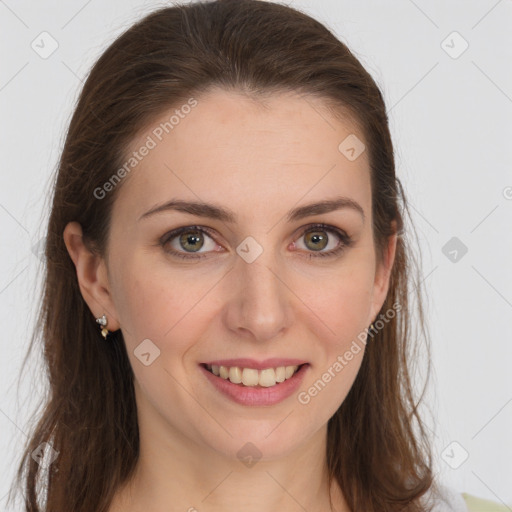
x: 475, y: 504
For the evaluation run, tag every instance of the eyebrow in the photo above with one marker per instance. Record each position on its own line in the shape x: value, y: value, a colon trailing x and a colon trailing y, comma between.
x: 213, y: 211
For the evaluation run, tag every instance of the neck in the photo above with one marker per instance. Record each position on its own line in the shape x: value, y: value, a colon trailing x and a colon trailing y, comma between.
x: 174, y: 472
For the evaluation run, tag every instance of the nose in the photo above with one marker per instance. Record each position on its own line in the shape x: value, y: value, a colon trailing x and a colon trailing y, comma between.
x: 259, y: 299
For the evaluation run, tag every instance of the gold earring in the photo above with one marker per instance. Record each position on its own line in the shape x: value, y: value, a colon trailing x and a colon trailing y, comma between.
x: 102, y: 321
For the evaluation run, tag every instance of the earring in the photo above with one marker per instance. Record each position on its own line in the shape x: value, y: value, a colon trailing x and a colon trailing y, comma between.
x: 102, y: 321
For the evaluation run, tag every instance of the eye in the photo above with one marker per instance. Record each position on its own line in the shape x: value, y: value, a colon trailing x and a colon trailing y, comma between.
x: 316, y: 239
x: 188, y: 238
x: 186, y: 242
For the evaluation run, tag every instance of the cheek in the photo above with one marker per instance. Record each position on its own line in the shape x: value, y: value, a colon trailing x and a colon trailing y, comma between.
x: 341, y: 301
x: 147, y: 305
x: 158, y: 305
x: 331, y: 380
x: 337, y: 325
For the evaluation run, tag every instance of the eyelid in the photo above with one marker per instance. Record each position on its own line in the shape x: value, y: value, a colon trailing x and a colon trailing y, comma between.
x: 345, y: 240
x: 174, y: 233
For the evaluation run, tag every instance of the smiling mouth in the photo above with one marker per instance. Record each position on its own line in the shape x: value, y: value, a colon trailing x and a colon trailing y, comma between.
x: 251, y: 377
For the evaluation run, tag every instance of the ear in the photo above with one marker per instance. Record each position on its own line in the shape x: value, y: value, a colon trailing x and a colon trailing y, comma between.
x: 383, y: 274
x: 92, y: 276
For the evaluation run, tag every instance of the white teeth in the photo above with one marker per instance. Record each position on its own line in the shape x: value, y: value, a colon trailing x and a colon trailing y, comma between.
x: 249, y: 377
x: 280, y: 373
x: 252, y: 377
x: 288, y: 372
x: 267, y: 377
x: 224, y: 372
x: 235, y: 375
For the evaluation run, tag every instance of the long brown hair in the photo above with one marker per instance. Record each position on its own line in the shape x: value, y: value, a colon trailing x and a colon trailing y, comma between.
x: 377, y: 447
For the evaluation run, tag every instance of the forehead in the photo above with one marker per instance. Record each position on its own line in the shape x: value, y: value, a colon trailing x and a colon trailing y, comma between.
x: 253, y: 155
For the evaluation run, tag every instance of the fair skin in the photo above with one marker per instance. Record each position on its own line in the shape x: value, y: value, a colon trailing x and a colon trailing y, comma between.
x: 259, y: 163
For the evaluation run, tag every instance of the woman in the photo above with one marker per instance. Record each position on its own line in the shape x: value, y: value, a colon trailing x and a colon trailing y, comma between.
x: 268, y: 371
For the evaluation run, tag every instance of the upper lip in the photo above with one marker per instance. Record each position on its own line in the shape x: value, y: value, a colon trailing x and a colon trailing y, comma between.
x: 273, y: 362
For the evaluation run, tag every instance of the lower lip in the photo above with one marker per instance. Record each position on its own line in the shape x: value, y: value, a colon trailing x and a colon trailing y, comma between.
x: 256, y: 395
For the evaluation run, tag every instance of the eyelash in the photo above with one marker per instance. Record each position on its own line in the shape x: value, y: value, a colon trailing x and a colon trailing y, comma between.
x: 346, y: 241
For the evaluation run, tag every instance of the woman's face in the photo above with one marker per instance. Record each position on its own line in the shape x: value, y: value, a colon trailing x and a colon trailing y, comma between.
x: 256, y: 286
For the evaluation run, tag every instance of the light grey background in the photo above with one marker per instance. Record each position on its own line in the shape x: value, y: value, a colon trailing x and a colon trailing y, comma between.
x: 451, y: 120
